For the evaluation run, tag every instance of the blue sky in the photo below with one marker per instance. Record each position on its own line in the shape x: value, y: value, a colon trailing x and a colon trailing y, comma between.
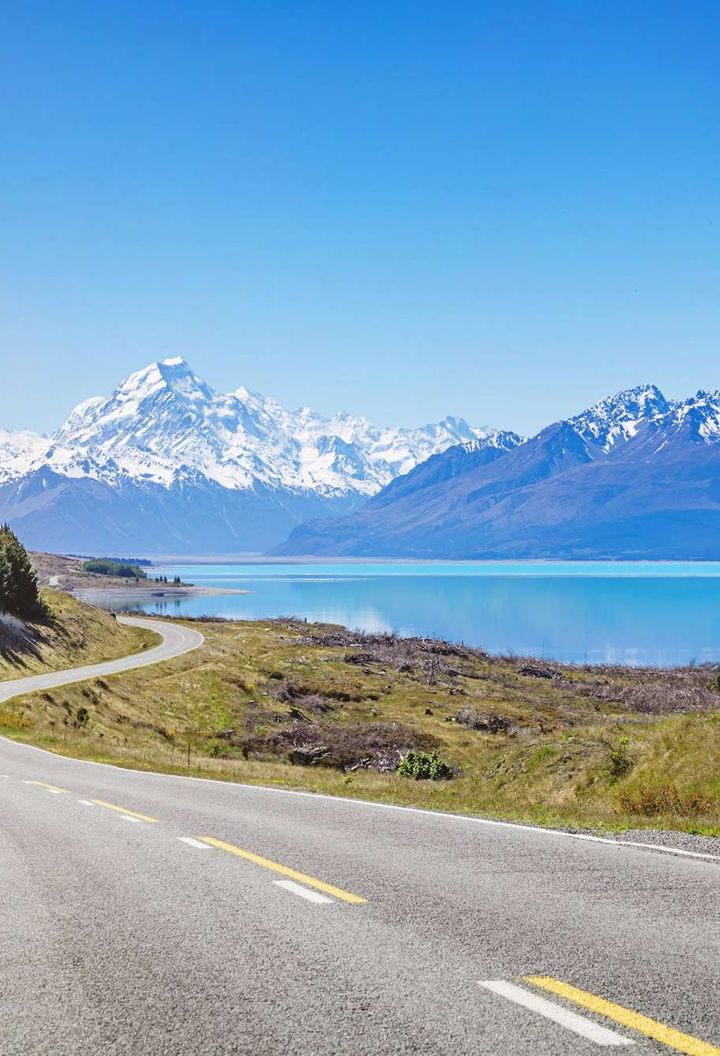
x: 500, y: 210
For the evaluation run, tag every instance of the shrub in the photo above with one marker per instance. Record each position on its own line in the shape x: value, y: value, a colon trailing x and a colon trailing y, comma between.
x: 619, y: 764
x: 425, y: 766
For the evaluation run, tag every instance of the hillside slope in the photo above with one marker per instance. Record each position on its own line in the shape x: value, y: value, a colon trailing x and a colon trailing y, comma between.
x: 325, y: 709
x: 72, y: 634
x: 605, y: 484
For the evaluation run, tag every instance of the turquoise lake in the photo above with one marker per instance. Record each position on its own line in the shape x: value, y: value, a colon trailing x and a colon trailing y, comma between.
x: 581, y: 612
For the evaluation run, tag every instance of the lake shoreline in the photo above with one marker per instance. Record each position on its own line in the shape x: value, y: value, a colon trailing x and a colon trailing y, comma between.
x: 151, y: 590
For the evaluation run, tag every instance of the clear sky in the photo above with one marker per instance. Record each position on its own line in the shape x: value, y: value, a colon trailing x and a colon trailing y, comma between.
x: 502, y: 210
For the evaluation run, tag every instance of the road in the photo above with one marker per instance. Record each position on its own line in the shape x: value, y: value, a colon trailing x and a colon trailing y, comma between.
x: 176, y: 640
x: 152, y: 914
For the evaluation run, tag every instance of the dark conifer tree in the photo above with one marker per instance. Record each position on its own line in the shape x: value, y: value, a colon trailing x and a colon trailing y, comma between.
x: 21, y: 591
x: 4, y: 580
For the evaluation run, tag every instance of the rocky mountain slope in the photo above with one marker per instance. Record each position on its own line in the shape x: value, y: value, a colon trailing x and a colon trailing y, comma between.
x: 635, y: 476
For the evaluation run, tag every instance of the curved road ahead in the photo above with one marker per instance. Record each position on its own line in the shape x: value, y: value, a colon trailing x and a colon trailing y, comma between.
x: 176, y: 640
x: 151, y: 914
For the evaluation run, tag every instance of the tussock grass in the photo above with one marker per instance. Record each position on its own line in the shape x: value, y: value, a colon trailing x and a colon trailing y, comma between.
x: 601, y: 748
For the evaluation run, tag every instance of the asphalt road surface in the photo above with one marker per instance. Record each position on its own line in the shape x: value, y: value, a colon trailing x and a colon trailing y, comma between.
x: 143, y: 913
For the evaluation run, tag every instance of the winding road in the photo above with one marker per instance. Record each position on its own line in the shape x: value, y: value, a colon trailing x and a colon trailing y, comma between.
x: 150, y: 914
x: 176, y: 640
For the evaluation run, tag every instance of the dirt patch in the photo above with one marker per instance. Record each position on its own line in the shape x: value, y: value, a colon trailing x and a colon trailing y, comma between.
x: 476, y: 720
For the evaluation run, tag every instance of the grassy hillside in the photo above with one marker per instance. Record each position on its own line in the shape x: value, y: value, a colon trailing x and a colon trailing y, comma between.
x: 315, y: 707
x: 70, y: 635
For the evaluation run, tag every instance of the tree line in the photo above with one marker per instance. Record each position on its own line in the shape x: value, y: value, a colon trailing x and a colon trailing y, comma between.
x: 19, y: 593
x: 107, y: 566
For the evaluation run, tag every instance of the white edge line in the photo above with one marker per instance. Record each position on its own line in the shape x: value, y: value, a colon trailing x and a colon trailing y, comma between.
x: 586, y: 1028
x: 126, y: 817
x: 379, y: 806
x: 86, y: 802
x: 195, y: 843
x: 304, y: 892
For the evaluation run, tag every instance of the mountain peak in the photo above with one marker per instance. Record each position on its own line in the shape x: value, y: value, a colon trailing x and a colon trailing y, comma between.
x: 618, y: 417
x: 164, y: 416
x: 167, y: 374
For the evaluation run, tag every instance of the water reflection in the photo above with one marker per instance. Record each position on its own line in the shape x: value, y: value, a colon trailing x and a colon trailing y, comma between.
x: 661, y: 614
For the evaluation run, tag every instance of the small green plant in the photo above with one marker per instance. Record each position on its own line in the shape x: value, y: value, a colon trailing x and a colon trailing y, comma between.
x: 619, y: 763
x: 425, y: 766
x: 545, y: 751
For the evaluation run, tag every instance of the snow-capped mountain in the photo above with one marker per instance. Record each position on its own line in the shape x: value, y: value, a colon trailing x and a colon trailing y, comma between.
x: 166, y: 465
x: 699, y: 417
x: 617, y: 418
x: 635, y: 476
x: 165, y: 421
x: 164, y: 435
x: 18, y: 452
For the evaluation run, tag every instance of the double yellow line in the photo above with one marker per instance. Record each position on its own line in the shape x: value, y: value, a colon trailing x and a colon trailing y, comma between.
x: 674, y: 1039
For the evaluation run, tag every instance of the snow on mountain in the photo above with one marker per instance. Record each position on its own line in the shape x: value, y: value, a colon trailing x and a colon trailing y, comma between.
x: 19, y: 451
x: 617, y: 418
x: 164, y: 422
x: 701, y: 416
x: 165, y: 464
x: 502, y: 439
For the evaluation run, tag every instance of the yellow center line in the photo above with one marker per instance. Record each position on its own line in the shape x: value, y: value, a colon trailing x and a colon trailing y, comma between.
x: 293, y: 874
x: 50, y: 788
x: 674, y: 1039
x: 122, y: 810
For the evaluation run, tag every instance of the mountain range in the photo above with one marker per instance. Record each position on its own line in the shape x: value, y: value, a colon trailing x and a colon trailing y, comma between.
x: 166, y: 465
x: 635, y: 476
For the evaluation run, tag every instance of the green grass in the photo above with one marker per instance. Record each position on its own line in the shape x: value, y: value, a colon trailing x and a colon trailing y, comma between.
x: 601, y: 749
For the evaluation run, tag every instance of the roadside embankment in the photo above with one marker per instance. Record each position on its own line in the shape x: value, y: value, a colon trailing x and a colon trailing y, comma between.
x: 320, y: 708
x: 67, y: 635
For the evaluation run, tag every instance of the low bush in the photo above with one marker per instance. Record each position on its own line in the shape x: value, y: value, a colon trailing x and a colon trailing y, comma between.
x: 619, y: 763
x: 425, y: 766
